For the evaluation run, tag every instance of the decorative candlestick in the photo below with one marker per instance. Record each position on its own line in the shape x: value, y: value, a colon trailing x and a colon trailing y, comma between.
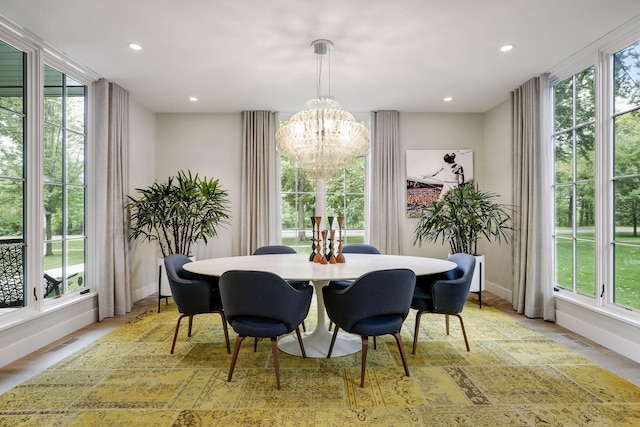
x: 323, y: 258
x: 340, y: 256
x: 318, y: 255
x: 332, y: 258
x: 313, y: 238
x: 329, y: 249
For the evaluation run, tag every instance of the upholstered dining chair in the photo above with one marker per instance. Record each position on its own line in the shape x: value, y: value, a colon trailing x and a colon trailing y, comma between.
x: 444, y: 293
x: 260, y: 304
x: 282, y: 249
x: 353, y: 248
x: 377, y: 303
x: 193, y: 294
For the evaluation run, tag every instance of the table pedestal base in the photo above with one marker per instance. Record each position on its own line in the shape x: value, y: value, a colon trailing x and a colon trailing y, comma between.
x: 316, y: 344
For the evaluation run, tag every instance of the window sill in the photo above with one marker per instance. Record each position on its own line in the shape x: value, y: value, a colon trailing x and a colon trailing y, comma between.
x: 617, y: 313
x: 27, y: 314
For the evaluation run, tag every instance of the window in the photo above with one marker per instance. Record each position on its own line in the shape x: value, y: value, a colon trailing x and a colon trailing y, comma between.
x: 574, y: 138
x: 43, y: 139
x: 345, y: 197
x: 64, y: 183
x: 12, y: 172
x: 626, y: 177
x: 597, y: 180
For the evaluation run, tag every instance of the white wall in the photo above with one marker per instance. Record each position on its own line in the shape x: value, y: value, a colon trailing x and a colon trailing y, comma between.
x: 497, y: 165
x: 435, y: 131
x: 142, y: 172
x: 210, y: 145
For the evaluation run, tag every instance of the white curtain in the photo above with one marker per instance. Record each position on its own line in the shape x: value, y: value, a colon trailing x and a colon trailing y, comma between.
x: 533, y: 222
x: 260, y: 196
x: 386, y: 183
x: 111, y: 184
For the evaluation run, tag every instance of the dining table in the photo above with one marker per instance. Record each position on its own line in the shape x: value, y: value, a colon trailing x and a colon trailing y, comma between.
x: 297, y: 267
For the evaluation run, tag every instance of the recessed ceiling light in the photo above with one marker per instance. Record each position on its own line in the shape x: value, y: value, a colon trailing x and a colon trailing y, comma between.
x: 193, y: 99
x: 506, y: 48
x: 448, y: 99
x: 135, y: 46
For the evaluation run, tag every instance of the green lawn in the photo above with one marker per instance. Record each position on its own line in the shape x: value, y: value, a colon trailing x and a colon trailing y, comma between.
x: 303, y: 247
x: 626, y: 269
x: 75, y: 255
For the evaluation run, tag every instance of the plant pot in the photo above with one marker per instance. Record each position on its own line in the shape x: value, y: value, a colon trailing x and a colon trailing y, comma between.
x: 477, y: 283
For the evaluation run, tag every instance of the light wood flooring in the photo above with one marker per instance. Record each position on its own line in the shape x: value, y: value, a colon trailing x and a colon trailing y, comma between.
x: 28, y: 366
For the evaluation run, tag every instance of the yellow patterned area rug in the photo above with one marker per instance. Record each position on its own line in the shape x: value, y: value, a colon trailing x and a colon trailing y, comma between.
x: 513, y: 376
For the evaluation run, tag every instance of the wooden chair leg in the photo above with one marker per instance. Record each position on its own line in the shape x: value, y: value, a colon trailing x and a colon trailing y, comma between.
x: 333, y: 341
x: 304, y: 327
x: 375, y: 343
x: 300, y: 342
x: 175, y: 335
x: 190, y: 326
x: 363, y: 366
x: 464, y: 333
x: 236, y: 350
x: 276, y: 366
x: 446, y: 321
x: 416, y: 331
x: 404, y: 360
x: 226, y: 330
x: 255, y: 344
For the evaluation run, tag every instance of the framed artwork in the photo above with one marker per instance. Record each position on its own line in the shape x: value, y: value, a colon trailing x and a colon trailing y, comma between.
x: 433, y: 173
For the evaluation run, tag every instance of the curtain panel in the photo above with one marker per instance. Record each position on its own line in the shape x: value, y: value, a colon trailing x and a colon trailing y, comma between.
x: 260, y: 176
x: 386, y: 183
x: 111, y: 184
x: 533, y: 222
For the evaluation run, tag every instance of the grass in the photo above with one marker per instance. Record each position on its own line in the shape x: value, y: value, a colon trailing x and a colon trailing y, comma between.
x: 626, y: 269
x: 306, y: 245
x: 75, y: 255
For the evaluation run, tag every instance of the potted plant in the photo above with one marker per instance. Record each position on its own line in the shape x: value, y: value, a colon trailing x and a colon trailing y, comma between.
x: 461, y: 218
x: 177, y: 213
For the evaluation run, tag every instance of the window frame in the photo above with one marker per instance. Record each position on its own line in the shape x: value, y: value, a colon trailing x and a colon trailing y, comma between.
x: 600, y: 56
x: 37, y: 54
x: 321, y: 191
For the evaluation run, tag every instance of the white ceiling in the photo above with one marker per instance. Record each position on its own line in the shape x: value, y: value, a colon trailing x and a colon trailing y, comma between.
x: 255, y: 55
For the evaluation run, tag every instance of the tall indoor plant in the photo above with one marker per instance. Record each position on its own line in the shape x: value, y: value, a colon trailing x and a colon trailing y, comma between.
x: 461, y: 218
x: 178, y: 212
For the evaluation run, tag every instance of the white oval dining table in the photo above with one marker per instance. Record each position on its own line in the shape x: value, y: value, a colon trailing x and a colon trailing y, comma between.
x: 298, y: 267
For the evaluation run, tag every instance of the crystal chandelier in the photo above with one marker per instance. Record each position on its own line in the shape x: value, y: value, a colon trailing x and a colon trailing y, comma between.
x: 322, y: 139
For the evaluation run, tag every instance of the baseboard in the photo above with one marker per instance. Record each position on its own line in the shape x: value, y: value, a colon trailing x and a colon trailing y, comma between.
x: 44, y: 330
x: 499, y: 291
x: 145, y: 291
x: 602, y: 329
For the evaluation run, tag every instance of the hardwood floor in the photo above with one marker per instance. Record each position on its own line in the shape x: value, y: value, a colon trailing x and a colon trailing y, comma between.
x: 28, y: 366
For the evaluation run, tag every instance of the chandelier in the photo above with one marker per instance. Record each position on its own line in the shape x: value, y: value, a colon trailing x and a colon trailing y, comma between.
x: 322, y: 139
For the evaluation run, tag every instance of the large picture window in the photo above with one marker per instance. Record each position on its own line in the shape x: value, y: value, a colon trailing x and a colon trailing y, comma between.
x: 626, y: 177
x: 43, y: 140
x: 574, y: 138
x: 64, y: 183
x: 13, y: 118
x: 597, y: 180
x: 345, y: 196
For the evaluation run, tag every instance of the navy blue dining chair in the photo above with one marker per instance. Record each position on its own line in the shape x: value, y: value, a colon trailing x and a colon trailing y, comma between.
x: 377, y: 303
x: 260, y: 304
x: 282, y: 249
x: 193, y: 294
x: 353, y: 248
x: 444, y: 293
